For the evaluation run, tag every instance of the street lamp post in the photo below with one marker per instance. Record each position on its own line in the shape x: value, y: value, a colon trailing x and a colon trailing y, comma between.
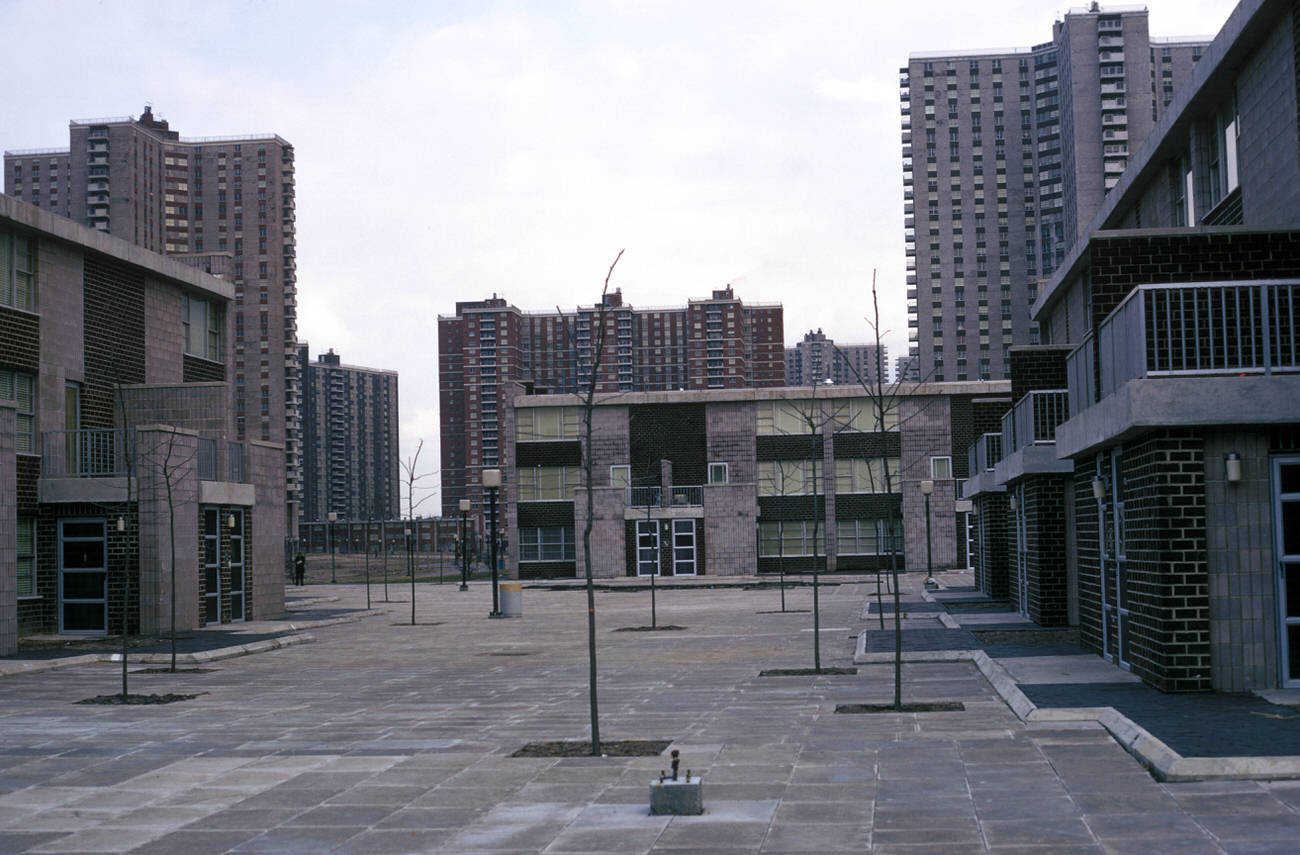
x: 927, y: 487
x: 365, y: 537
x: 333, y: 518
x: 410, y: 568
x: 492, y: 483
x: 464, y: 546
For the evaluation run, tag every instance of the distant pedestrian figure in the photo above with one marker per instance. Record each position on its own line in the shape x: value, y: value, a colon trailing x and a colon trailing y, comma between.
x: 299, y: 569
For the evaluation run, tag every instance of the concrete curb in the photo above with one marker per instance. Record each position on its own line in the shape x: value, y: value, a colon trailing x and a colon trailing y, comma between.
x: 292, y: 635
x: 1164, y: 763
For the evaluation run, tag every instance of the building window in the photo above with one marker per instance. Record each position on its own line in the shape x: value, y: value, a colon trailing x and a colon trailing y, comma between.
x: 17, y: 271
x: 717, y: 473
x: 21, y: 388
x: 866, y: 476
x: 201, y: 326
x: 547, y: 483
x: 940, y: 467
x: 866, y: 537
x: 783, y: 417
x: 786, y: 538
x: 789, y: 477
x: 533, y: 424
x: 620, y: 476
x: 26, y: 557
x: 546, y: 544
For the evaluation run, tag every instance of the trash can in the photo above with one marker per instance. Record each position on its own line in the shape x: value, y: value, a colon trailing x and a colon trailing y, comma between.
x: 512, y: 599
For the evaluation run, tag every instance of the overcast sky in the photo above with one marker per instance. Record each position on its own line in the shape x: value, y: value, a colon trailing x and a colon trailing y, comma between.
x: 449, y: 150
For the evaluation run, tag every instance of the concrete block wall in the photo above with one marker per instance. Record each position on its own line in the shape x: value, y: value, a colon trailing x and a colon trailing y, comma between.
x: 1241, y: 563
x: 730, y: 530
x: 925, y: 427
x: 267, y: 523
x: 608, y: 538
x: 199, y: 407
x: 8, y: 533
x: 163, y: 333
x: 730, y: 436
x: 1267, y: 92
x: 164, y: 454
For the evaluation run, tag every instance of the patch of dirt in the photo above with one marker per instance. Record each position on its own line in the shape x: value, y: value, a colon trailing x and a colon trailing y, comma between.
x: 784, y: 612
x: 918, y: 706
x: 507, y: 653
x: 419, y: 623
x: 806, y: 672
x: 668, y: 627
x: 138, y: 700
x: 616, y: 748
x: 177, y: 671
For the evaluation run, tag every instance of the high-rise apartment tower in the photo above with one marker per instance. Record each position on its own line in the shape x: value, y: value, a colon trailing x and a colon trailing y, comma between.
x: 223, y: 204
x: 1007, y: 154
x: 350, y: 450
x: 818, y: 358
x: 490, y: 351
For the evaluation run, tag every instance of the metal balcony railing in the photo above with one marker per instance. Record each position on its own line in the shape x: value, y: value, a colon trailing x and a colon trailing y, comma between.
x: 1189, y: 330
x: 207, y: 459
x: 985, y: 453
x: 655, y: 497
x: 83, y: 453
x: 1033, y: 420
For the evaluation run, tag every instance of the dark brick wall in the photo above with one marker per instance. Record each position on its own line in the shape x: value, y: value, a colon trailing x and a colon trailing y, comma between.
x: 114, y: 344
x: 962, y: 419
x: 197, y: 370
x: 40, y: 615
x: 548, y: 454
x: 991, y: 557
x: 29, y: 473
x: 1088, y: 556
x: 1045, y: 550
x: 1164, y: 492
x: 20, y: 340
x: 674, y: 432
x: 855, y: 446
x: 792, y: 447
x: 1120, y: 263
x: 545, y: 514
x: 1037, y: 368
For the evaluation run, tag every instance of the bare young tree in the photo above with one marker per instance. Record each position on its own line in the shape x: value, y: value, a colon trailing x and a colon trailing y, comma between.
x: 411, y: 477
x: 588, y: 385
x: 884, y: 402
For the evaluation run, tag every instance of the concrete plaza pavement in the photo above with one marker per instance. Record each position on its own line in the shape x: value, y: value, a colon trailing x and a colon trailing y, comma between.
x: 379, y: 736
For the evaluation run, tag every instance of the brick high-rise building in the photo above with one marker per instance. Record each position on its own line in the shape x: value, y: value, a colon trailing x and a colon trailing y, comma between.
x: 349, y: 441
x: 818, y: 358
x: 1007, y: 154
x: 490, y: 351
x: 223, y: 204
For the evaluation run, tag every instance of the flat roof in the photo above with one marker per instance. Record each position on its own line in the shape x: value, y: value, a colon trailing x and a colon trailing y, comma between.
x: 15, y: 212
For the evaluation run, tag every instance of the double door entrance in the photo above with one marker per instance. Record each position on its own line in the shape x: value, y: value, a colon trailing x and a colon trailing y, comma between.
x: 678, y: 535
x: 1286, y: 534
x: 223, y: 564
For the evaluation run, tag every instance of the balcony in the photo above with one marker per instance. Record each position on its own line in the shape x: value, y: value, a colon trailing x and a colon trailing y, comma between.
x: 982, y: 457
x: 690, y: 499
x: 1029, y: 436
x: 83, y: 454
x: 1186, y: 355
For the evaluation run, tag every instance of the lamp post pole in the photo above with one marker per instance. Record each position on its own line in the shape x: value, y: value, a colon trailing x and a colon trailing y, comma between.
x: 333, y: 517
x: 492, y: 483
x: 464, y: 547
x: 410, y: 569
x: 927, y: 487
x: 365, y: 537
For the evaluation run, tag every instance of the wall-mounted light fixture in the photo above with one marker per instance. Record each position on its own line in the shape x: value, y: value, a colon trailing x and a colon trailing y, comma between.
x: 121, y: 523
x: 230, y: 522
x: 1098, y: 489
x: 1011, y: 502
x: 1232, y: 467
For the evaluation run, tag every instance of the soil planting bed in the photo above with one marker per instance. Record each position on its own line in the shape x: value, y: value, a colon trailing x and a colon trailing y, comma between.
x: 931, y: 706
x: 618, y: 748
x: 806, y: 672
x: 138, y: 700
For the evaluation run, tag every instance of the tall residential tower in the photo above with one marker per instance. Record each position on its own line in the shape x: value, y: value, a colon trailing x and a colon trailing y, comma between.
x: 489, y: 351
x: 1007, y: 154
x: 222, y: 204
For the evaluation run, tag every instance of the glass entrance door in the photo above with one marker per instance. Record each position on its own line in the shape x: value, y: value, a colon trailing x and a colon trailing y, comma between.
x: 647, y: 547
x: 1114, y: 561
x: 83, y: 576
x: 684, y: 547
x: 211, y: 566
x: 237, y: 578
x: 1022, y: 552
x: 1286, y: 536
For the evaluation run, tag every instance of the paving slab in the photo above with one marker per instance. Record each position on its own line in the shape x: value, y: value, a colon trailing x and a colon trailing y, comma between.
x: 376, y: 738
